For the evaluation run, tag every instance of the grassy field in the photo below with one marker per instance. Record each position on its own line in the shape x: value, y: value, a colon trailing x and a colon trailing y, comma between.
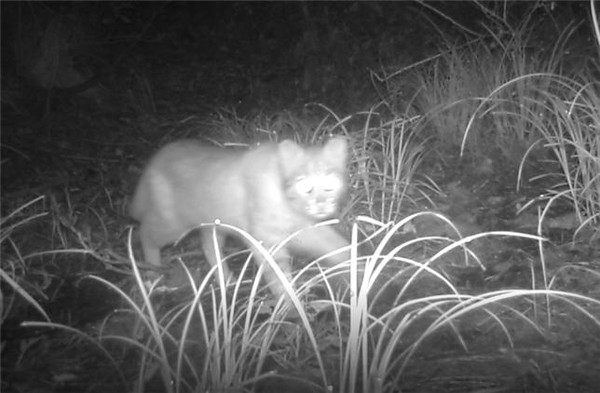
x: 473, y: 212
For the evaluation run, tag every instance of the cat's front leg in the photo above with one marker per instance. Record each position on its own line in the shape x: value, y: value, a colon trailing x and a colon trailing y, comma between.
x: 208, y: 237
x: 273, y: 281
x: 329, y: 247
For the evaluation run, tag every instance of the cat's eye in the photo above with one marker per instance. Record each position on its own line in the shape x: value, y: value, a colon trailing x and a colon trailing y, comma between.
x: 304, y: 186
x: 331, y: 183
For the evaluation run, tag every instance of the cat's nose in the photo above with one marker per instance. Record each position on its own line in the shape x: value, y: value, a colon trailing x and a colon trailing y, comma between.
x: 322, y: 215
x: 323, y: 209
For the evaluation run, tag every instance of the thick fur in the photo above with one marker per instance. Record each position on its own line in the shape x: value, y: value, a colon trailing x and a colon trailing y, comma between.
x: 271, y: 192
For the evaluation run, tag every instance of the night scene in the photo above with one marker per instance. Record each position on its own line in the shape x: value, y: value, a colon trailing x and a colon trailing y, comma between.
x: 300, y: 197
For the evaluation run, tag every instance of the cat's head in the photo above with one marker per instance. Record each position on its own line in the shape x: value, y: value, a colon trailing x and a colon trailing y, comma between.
x: 315, y: 177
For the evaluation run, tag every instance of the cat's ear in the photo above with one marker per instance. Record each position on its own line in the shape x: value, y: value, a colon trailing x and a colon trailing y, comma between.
x: 290, y: 155
x: 336, y: 148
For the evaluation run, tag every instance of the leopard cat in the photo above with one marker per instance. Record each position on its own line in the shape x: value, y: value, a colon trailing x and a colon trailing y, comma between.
x: 271, y: 191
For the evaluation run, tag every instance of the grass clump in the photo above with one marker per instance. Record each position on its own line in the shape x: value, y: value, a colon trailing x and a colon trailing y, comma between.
x: 222, y: 339
x: 401, y: 308
x: 13, y: 270
x: 387, y: 157
x: 569, y: 131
